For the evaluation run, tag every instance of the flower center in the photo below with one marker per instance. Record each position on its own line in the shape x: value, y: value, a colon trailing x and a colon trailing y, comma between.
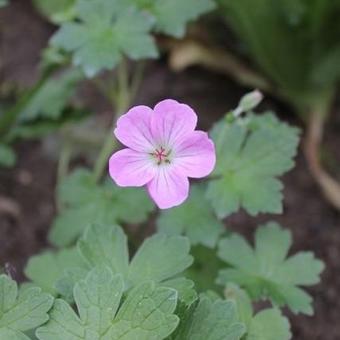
x: 161, y: 155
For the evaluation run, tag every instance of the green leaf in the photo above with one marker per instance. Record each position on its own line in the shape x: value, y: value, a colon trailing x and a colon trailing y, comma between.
x: 145, y: 314
x: 171, y: 16
x: 52, y: 98
x: 266, y: 272
x: 7, y: 156
x: 104, y: 31
x: 172, y: 258
x: 211, y: 320
x: 184, y: 288
x: 21, y: 311
x: 105, y: 245
x: 45, y: 269
x: 251, y: 153
x: 194, y: 218
x: 269, y: 324
x: 86, y: 203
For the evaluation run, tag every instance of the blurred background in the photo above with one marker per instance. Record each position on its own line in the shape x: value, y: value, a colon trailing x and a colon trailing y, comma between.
x: 293, y: 58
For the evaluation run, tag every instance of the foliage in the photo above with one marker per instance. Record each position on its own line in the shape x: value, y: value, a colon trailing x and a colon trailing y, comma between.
x: 209, y: 319
x: 107, y: 246
x: 45, y: 269
x: 86, y: 202
x: 295, y: 43
x: 145, y: 313
x: 171, y: 16
x: 21, y: 311
x: 265, y: 272
x: 251, y: 153
x: 195, y: 218
x: 108, y: 26
x: 57, y: 10
x: 266, y: 324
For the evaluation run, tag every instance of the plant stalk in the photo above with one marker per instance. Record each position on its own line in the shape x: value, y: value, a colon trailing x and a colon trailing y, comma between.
x: 123, y: 97
x: 313, y: 140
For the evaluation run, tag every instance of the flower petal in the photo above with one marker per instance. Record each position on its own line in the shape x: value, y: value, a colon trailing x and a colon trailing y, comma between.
x: 169, y: 187
x: 133, y: 129
x: 131, y: 168
x: 196, y: 155
x: 171, y: 121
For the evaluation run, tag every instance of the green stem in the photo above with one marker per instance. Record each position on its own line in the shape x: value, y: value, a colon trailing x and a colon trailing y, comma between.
x: 123, y: 100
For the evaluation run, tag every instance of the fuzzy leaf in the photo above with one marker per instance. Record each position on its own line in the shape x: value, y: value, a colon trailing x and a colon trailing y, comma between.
x: 194, y: 218
x: 45, y: 269
x: 104, y: 31
x: 211, y: 320
x: 21, y: 311
x: 145, y: 314
x: 265, y: 271
x: 171, y: 16
x: 251, y: 152
x: 103, y: 245
x: 86, y: 203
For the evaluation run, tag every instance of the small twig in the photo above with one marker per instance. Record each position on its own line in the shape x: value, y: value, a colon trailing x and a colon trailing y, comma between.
x: 329, y: 185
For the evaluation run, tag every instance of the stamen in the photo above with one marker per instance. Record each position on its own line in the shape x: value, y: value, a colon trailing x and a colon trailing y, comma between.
x: 161, y: 155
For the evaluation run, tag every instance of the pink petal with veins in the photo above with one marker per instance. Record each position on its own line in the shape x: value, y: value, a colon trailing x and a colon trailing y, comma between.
x: 169, y: 188
x: 172, y: 121
x: 129, y: 168
x: 133, y: 129
x: 196, y: 155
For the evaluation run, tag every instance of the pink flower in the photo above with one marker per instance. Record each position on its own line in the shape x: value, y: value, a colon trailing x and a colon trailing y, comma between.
x: 163, y: 151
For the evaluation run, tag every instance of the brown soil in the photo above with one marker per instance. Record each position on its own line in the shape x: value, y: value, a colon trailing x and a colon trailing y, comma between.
x: 27, y: 191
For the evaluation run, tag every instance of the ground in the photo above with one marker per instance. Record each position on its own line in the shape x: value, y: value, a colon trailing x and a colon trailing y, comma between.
x: 27, y: 191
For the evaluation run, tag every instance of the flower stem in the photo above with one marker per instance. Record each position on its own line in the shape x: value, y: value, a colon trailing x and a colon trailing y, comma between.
x: 122, y: 99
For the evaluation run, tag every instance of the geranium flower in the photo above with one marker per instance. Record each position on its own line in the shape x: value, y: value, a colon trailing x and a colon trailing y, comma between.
x: 163, y: 151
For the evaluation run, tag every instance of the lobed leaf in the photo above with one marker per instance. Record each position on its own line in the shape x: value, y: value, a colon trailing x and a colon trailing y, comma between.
x: 45, y: 269
x: 269, y: 324
x: 210, y: 320
x: 105, y: 245
x: 252, y: 153
x: 146, y: 312
x: 266, y: 272
x: 104, y: 31
x: 21, y: 311
x: 172, y: 16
